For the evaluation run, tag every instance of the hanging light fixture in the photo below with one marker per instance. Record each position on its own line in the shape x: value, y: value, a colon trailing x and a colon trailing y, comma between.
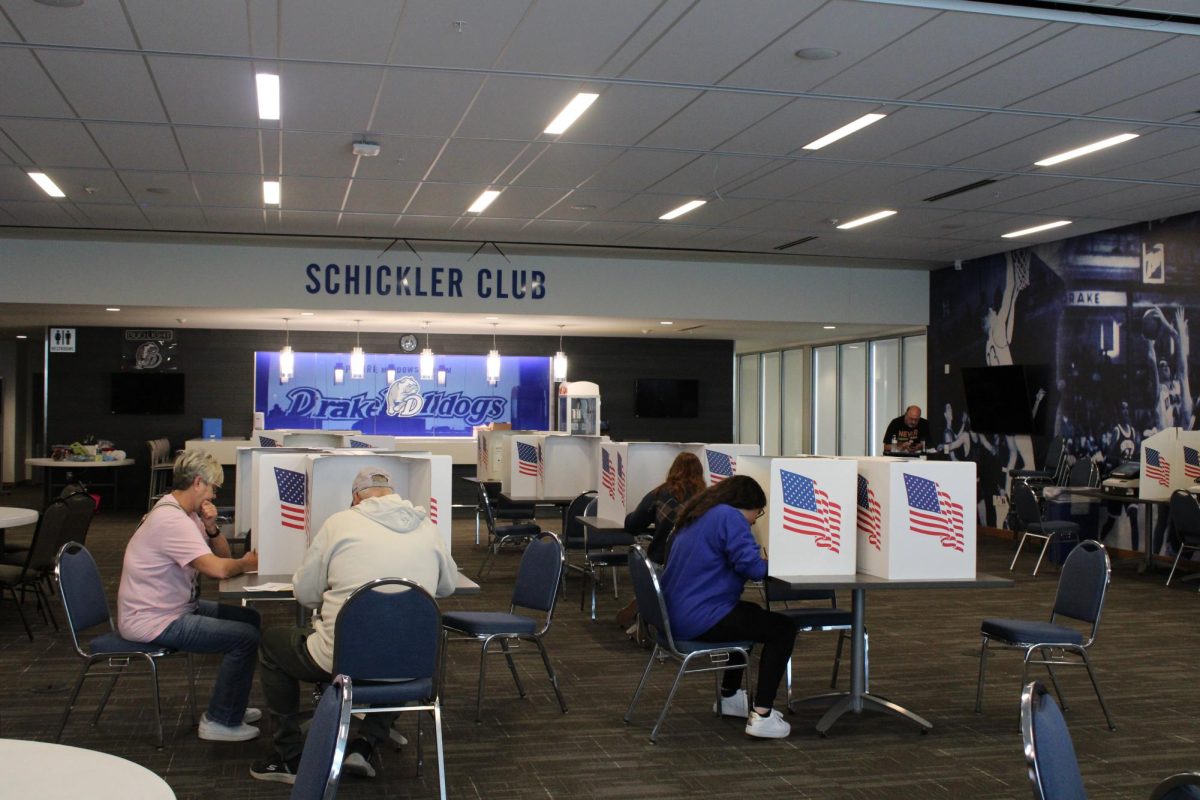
x: 391, y: 374
x: 287, y: 359
x: 358, y: 359
x: 426, y: 357
x: 441, y: 375
x: 339, y: 373
x: 560, y: 359
x: 493, y: 360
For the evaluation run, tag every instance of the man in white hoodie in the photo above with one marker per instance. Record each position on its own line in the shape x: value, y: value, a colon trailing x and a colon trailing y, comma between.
x: 380, y: 536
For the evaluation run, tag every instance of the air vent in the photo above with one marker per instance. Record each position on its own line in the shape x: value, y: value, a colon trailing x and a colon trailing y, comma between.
x: 960, y: 190
x: 795, y: 243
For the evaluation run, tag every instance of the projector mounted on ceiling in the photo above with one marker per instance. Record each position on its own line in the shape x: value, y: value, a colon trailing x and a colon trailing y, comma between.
x: 365, y: 149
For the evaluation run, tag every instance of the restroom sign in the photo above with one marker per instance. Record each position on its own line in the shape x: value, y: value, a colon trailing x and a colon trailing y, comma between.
x: 62, y: 340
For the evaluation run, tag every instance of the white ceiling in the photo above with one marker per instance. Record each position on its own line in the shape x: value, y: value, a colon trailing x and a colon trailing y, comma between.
x: 144, y: 112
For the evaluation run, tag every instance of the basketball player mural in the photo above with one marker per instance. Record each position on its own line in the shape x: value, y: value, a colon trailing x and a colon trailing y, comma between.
x: 999, y: 325
x: 1172, y: 397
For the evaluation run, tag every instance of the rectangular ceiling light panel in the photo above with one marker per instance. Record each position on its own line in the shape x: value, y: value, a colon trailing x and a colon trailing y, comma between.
x: 573, y: 111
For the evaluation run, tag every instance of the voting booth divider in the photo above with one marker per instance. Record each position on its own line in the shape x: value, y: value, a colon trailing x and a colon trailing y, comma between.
x: 1170, y: 461
x: 720, y: 461
x: 570, y: 464
x: 365, y: 441
x: 492, y: 452
x: 627, y: 471
x: 809, y: 525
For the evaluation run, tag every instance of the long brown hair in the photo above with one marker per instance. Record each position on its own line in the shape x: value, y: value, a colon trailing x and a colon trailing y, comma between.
x: 685, y: 478
x: 740, y: 491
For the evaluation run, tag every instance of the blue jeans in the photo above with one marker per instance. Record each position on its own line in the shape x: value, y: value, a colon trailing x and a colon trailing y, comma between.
x: 216, y: 628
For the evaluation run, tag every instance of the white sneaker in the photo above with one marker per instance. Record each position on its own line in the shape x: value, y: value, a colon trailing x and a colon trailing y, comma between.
x: 251, y: 715
x: 771, y: 726
x: 735, y: 706
x: 212, y: 731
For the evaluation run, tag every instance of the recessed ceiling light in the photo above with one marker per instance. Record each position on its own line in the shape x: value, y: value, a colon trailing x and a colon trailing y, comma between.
x: 844, y: 131
x: 268, y: 95
x: 573, y: 111
x: 48, y: 186
x: 112, y: 308
x: 683, y: 209
x: 1087, y: 148
x: 22, y: 336
x: 666, y: 322
x: 854, y: 223
x: 306, y: 313
x: 483, y: 201
x: 830, y: 327
x: 817, y: 53
x: 491, y: 319
x: 272, y: 193
x: 1035, y: 229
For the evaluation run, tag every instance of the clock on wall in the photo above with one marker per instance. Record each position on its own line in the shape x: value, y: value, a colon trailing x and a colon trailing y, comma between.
x: 408, y: 343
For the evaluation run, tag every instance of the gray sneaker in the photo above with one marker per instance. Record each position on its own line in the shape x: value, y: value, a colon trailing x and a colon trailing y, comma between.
x: 772, y: 726
x: 211, y: 731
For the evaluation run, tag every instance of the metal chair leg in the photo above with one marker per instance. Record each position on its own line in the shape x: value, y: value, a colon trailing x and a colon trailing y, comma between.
x: 641, y: 684
x: 667, y: 705
x: 1045, y: 547
x: 62, y: 724
x: 21, y: 614
x: 1020, y: 544
x: 1087, y: 662
x: 983, y: 654
x: 512, y: 667
x: 1174, y: 565
x: 553, y: 676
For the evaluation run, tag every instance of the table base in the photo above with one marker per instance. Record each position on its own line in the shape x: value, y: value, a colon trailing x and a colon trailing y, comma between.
x: 845, y: 702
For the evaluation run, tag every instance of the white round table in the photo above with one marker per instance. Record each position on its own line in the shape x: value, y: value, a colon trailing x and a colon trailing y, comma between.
x: 68, y: 468
x: 11, y: 517
x: 58, y: 772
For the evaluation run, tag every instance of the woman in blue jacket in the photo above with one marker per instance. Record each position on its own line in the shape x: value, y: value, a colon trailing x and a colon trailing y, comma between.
x: 712, y: 555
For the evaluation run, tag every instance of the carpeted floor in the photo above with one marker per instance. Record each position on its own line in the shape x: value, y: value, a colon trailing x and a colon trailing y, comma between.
x: 923, y: 655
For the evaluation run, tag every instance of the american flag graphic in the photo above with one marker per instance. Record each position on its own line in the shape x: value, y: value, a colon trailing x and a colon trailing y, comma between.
x: 933, y: 513
x: 356, y: 443
x: 267, y: 441
x: 1191, y: 462
x: 1158, y: 468
x: 481, y: 444
x: 433, y: 510
x: 621, y: 478
x: 808, y: 510
x: 291, y: 497
x: 608, y: 474
x: 527, y: 459
x: 541, y: 462
x: 869, y: 514
x: 720, y: 466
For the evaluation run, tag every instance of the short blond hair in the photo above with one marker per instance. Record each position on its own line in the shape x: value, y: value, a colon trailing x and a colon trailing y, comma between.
x: 192, y: 464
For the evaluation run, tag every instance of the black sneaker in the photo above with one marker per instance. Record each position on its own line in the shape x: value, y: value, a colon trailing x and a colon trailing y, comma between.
x: 359, y: 759
x: 276, y: 769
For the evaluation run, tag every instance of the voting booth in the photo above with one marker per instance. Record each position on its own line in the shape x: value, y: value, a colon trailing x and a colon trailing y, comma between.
x: 524, y: 469
x: 571, y: 465
x: 491, y: 452
x: 809, y: 525
x: 628, y: 470
x: 1170, y: 460
x: 364, y: 441
x: 720, y: 460
x: 915, y: 519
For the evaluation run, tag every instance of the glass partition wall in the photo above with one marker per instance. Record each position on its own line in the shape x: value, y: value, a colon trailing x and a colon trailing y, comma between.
x: 829, y: 400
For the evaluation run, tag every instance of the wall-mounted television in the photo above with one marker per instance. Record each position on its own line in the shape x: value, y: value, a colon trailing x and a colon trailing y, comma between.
x: 666, y: 397
x: 147, y: 392
x: 1000, y: 399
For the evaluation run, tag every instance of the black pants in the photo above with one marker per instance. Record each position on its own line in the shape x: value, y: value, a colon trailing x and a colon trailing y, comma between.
x: 775, y: 632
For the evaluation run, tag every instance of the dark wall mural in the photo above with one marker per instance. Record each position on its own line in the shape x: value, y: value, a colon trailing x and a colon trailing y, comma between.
x: 1098, y: 330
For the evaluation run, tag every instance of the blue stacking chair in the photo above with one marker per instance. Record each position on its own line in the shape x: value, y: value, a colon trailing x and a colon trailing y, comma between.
x: 1029, y: 521
x: 321, y: 762
x: 387, y: 639
x: 500, y: 535
x: 1080, y: 597
x: 653, y: 610
x: 810, y: 618
x: 536, y: 588
x: 86, y: 607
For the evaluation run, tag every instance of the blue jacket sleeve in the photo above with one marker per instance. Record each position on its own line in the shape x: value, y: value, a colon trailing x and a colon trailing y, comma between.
x: 741, y: 549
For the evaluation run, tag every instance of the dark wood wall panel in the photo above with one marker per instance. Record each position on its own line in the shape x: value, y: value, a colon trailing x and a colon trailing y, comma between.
x: 220, y: 383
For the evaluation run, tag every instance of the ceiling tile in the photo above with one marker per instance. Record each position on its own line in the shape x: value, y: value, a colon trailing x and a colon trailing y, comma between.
x: 429, y: 34
x: 220, y: 149
x: 313, y: 194
x: 423, y: 103
x: 713, y: 118
x: 50, y: 143
x: 321, y: 97
x: 169, y: 188
x: 189, y: 26
x: 316, y: 29
x: 149, y: 147
x: 635, y: 170
x: 474, y: 161
x: 386, y: 197
x: 97, y: 23
x: 27, y: 89
x: 209, y: 91
x: 623, y: 115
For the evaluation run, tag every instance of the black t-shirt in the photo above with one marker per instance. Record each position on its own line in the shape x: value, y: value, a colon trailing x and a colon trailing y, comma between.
x: 918, y: 437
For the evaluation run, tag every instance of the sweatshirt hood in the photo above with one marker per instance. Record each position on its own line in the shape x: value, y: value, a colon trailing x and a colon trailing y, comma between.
x: 393, y: 512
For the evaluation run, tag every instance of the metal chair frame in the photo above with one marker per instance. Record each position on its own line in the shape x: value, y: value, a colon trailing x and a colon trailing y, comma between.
x: 814, y: 626
x: 653, y: 609
x: 1023, y: 495
x: 161, y: 467
x: 116, y: 660
x: 496, y: 540
x: 1032, y: 696
x: 1054, y: 653
x: 341, y: 692
x: 1182, y: 532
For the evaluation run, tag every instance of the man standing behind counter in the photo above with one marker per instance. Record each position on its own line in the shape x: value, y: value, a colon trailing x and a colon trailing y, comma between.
x: 907, y: 434
x: 381, y: 535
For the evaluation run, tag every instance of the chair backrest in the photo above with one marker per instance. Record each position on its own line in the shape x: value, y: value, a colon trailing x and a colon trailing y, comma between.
x: 1049, y: 753
x: 539, y: 575
x: 389, y: 629
x: 648, y: 591
x: 1054, y: 453
x: 485, y: 505
x: 1025, y: 504
x: 160, y: 451
x: 1185, y: 517
x: 1083, y: 584
x: 573, y: 533
x: 590, y: 509
x: 324, y: 747
x: 80, y: 510
x: 47, y: 537
x: 1083, y: 473
x: 81, y: 589
x: 1184, y: 786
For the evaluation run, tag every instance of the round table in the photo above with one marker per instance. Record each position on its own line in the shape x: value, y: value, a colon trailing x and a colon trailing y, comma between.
x: 68, y: 467
x: 12, y: 517
x: 58, y: 772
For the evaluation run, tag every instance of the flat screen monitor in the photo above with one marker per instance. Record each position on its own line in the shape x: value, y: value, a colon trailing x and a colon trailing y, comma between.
x: 667, y: 397
x: 999, y: 399
x: 147, y: 392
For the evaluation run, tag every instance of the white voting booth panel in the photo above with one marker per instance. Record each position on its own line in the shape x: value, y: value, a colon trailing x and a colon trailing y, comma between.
x: 915, y: 519
x: 628, y: 470
x: 267, y: 438
x: 570, y: 465
x: 249, y: 471
x: 491, y: 451
x: 524, y: 466
x: 720, y: 461
x: 1170, y: 460
x: 809, y: 527
x: 364, y: 441
x: 280, y: 508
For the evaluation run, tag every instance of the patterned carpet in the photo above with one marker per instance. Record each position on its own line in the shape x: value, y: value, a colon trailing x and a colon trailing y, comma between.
x: 923, y: 655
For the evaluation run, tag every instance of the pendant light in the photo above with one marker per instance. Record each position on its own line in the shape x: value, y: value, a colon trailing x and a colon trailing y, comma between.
x: 358, y: 359
x: 441, y: 375
x: 493, y: 360
x: 391, y: 374
x: 339, y: 373
x: 426, y: 357
x: 287, y: 359
x: 560, y: 359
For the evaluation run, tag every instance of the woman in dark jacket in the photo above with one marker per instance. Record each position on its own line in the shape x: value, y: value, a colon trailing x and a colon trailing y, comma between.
x: 685, y: 480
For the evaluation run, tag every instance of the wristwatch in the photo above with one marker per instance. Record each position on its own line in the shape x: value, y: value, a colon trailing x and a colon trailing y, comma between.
x: 212, y: 535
